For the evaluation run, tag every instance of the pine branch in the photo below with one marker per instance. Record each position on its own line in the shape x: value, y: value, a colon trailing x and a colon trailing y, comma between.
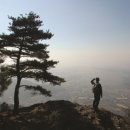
x: 10, y: 53
x: 49, y: 77
x: 37, y: 88
x: 38, y: 65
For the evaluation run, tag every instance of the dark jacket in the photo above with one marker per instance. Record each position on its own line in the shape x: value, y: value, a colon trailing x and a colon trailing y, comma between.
x: 97, y: 88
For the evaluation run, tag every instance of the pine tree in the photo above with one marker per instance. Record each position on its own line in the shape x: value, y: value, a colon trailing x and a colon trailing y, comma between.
x: 30, y: 56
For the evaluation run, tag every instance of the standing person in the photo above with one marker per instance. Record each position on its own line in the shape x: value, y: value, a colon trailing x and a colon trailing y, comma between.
x: 97, y: 90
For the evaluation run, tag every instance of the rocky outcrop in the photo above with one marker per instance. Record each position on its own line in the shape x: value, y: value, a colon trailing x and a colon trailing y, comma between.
x: 61, y: 115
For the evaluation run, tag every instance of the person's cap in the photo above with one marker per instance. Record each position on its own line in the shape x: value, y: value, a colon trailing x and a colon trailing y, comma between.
x: 97, y: 78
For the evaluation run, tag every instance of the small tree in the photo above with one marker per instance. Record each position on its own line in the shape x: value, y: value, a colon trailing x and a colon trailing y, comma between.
x: 1, y: 58
x: 30, y: 57
x: 5, y: 80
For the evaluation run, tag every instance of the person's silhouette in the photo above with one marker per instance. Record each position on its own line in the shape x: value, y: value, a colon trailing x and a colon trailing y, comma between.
x: 97, y: 90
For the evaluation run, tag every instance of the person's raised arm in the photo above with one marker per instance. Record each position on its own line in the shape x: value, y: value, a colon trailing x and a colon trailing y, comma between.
x: 92, y: 82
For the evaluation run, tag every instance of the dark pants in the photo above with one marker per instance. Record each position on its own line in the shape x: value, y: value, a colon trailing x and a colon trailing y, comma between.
x: 96, y: 101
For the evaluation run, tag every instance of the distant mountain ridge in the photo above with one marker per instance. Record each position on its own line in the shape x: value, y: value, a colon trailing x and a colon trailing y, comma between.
x: 61, y: 115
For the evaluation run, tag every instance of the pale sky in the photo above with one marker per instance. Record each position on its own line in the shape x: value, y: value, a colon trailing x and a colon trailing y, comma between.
x: 86, y: 32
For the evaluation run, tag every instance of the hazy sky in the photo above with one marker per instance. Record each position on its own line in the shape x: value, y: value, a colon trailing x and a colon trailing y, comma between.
x: 86, y: 32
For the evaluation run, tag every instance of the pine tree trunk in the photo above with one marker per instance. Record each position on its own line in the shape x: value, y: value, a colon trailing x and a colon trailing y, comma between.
x: 16, y: 93
x: 16, y: 97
